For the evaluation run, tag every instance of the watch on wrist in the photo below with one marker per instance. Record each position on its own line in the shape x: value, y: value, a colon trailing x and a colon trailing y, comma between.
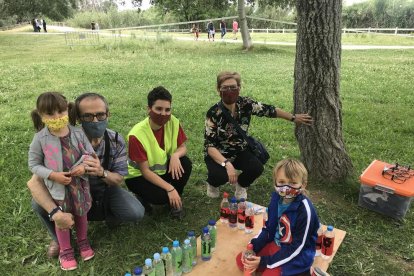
x: 293, y: 118
x: 104, y: 174
x: 54, y: 211
x: 223, y: 164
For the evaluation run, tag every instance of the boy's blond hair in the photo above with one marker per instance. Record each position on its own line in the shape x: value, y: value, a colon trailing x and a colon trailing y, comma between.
x: 293, y: 169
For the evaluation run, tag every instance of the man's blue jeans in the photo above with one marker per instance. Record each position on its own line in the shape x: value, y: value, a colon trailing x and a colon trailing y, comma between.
x: 123, y: 207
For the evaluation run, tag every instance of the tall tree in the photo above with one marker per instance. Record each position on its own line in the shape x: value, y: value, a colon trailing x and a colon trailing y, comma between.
x: 317, y: 87
x: 244, y: 29
x: 54, y: 9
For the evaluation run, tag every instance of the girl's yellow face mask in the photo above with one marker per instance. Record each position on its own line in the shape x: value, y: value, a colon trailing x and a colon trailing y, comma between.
x: 56, y: 124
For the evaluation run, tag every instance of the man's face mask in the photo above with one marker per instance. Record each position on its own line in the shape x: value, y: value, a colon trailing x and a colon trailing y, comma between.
x: 94, y: 129
x: 159, y: 119
x: 286, y: 191
x: 56, y: 124
x: 229, y: 94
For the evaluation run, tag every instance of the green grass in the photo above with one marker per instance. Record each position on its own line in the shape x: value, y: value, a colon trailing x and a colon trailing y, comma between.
x: 377, y: 98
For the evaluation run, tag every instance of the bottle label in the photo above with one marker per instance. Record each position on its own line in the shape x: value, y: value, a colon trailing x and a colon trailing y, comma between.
x: 327, y: 246
x: 188, y: 258
x: 213, y: 236
x: 205, y: 248
x: 249, y: 222
x: 233, y: 217
x: 241, y: 216
x: 224, y: 213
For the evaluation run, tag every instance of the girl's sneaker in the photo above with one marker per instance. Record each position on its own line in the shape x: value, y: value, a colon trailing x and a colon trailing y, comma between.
x: 67, y: 260
x: 86, y: 250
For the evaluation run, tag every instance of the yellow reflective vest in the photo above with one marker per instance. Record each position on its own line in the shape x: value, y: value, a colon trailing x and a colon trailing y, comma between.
x: 157, y: 157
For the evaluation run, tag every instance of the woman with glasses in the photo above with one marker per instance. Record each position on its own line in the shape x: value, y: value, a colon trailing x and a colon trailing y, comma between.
x: 225, y: 149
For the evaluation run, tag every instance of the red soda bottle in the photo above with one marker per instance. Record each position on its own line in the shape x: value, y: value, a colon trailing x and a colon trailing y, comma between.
x: 328, y: 243
x: 224, y: 208
x: 319, y: 240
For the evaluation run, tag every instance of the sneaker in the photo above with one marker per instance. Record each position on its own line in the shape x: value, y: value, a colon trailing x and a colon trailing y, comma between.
x: 240, y: 192
x: 53, y: 249
x: 213, y: 192
x: 67, y: 260
x: 177, y: 213
x: 86, y: 250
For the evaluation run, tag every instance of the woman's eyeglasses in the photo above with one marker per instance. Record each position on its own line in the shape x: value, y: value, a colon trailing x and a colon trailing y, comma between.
x: 89, y: 117
x: 229, y: 88
x: 398, y: 174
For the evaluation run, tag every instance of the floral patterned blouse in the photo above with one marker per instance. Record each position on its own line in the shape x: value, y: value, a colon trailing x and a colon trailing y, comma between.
x: 221, y: 134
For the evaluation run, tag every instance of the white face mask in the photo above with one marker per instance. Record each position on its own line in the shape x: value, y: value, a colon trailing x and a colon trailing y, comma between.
x: 286, y: 191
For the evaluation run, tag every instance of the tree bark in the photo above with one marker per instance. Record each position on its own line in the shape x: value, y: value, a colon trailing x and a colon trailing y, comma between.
x: 317, y: 87
x: 244, y: 29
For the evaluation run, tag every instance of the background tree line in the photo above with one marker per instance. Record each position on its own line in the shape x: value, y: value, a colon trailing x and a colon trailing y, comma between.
x: 372, y: 13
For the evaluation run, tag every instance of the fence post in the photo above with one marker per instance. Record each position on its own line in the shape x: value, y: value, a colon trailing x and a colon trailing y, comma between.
x: 283, y: 30
x: 396, y: 30
x: 267, y: 30
x: 369, y: 29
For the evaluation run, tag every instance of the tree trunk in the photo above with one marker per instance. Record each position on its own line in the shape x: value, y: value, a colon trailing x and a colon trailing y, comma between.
x: 244, y: 29
x: 316, y: 89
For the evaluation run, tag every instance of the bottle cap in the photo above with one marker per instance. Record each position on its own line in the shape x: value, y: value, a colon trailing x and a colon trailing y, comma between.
x: 330, y: 228
x: 176, y: 243
x: 148, y: 262
x: 250, y: 246
x: 205, y: 230
x: 165, y: 250
x: 211, y: 222
x: 233, y: 200
x: 157, y: 256
x: 225, y: 195
x: 127, y: 274
x: 242, y: 199
x: 191, y: 233
x: 137, y: 270
x: 187, y: 241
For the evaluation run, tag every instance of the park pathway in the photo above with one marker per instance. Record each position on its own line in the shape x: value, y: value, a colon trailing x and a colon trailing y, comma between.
x: 59, y: 30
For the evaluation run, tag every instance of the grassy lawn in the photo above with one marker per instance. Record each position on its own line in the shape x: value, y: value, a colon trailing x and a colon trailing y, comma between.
x: 377, y: 98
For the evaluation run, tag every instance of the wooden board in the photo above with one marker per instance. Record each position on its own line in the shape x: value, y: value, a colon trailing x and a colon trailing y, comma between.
x: 231, y: 241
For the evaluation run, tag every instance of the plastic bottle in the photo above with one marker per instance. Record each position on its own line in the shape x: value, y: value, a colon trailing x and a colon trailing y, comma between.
x: 177, y: 258
x: 249, y: 223
x: 158, y: 265
x: 193, y: 242
x: 148, y: 269
x: 138, y: 271
x: 127, y: 274
x: 212, y: 229
x: 248, y: 254
x: 241, y: 213
x: 224, y: 208
x: 328, y: 243
x: 167, y: 259
x: 319, y: 240
x: 265, y: 217
x: 205, y: 245
x: 233, y: 213
x: 187, y: 264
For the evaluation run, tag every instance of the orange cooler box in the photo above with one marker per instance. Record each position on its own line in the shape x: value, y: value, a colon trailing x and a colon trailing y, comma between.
x: 384, y: 195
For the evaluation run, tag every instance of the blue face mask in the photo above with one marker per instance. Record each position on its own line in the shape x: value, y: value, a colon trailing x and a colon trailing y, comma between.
x: 95, y: 129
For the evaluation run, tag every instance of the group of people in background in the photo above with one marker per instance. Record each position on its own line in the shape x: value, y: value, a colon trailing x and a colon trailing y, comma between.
x: 77, y: 172
x: 38, y: 24
x: 211, y: 31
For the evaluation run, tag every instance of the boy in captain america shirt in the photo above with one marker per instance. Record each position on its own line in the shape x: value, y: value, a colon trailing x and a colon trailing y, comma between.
x: 286, y: 246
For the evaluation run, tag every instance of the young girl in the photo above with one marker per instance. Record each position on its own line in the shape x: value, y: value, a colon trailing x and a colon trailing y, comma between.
x: 56, y: 154
x: 286, y: 246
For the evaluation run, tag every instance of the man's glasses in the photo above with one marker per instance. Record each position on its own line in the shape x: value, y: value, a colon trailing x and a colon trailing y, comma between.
x: 231, y: 88
x: 398, y: 174
x: 89, y: 117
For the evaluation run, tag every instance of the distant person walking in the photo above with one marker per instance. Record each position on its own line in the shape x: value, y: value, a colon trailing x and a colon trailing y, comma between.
x: 235, y: 28
x: 34, y: 25
x: 223, y: 28
x: 195, y: 30
x: 44, y: 26
x: 93, y: 25
x: 211, y: 30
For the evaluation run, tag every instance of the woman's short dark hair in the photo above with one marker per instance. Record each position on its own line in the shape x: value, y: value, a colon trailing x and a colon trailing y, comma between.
x: 158, y: 93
